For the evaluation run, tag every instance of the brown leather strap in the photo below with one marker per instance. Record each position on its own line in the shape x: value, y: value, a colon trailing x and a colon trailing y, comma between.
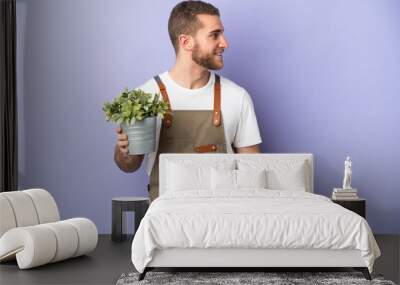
x: 206, y: 148
x: 168, y: 116
x: 217, y: 101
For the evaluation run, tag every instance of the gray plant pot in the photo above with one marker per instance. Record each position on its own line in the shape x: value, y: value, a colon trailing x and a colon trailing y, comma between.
x: 141, y: 135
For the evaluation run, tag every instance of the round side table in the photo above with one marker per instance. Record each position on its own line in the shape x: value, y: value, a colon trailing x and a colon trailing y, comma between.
x: 138, y: 205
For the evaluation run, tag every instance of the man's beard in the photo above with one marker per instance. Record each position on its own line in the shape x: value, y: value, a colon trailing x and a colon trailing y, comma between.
x: 208, y: 61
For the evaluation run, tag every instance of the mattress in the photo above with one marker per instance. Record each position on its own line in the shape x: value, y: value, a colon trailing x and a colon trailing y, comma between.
x: 250, y: 219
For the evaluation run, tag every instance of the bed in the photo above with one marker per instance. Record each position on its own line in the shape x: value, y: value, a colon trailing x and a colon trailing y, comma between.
x: 247, y: 210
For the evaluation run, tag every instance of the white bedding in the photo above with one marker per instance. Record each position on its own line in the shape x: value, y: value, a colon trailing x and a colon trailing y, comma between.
x: 250, y: 218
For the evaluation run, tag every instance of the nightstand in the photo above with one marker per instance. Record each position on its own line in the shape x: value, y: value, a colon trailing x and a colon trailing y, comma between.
x: 357, y: 205
x: 138, y: 205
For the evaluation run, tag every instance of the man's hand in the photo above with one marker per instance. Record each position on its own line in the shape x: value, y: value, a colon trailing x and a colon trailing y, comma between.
x: 249, y: 149
x: 122, y: 141
x: 126, y: 162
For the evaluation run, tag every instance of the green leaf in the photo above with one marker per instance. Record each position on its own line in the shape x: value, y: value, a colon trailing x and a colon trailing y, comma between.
x: 132, y: 105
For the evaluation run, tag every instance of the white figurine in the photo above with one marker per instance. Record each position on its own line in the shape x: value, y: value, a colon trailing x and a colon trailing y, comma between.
x: 347, y: 174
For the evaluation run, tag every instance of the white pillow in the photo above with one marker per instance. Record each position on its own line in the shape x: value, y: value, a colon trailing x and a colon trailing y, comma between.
x: 251, y: 178
x: 281, y: 174
x: 223, y: 179
x: 192, y: 175
x: 237, y: 179
x: 181, y: 177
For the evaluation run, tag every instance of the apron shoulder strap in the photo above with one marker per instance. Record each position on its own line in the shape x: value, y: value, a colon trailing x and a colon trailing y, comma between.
x: 217, y: 101
x: 167, y: 121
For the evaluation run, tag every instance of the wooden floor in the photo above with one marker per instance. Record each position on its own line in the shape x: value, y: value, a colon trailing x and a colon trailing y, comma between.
x: 111, y: 259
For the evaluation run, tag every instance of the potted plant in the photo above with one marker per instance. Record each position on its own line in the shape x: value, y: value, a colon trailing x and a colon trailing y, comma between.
x: 136, y: 112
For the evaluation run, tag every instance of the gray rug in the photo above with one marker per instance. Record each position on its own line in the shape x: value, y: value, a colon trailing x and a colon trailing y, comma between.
x: 270, y: 278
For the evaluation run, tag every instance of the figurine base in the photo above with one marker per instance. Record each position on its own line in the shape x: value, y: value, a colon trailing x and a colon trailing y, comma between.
x: 344, y: 190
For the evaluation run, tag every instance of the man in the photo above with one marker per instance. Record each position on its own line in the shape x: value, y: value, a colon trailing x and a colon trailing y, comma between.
x: 210, y: 113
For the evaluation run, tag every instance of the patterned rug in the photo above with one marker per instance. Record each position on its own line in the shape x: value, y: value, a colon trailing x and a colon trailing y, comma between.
x: 243, y: 278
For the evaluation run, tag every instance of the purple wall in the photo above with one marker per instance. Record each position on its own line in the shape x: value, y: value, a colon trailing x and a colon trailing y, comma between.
x: 323, y: 76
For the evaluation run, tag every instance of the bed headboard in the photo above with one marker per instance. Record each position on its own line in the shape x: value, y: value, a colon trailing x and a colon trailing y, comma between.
x: 238, y: 159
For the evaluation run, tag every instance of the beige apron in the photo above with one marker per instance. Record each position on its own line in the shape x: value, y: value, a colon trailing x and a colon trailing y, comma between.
x: 189, y: 131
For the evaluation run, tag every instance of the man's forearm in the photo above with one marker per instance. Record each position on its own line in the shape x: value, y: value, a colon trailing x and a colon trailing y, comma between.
x: 127, y: 163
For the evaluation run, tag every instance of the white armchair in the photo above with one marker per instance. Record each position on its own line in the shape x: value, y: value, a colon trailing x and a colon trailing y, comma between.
x: 31, y: 230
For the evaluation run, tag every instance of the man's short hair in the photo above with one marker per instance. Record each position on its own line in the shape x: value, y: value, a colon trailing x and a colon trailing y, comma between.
x: 183, y: 20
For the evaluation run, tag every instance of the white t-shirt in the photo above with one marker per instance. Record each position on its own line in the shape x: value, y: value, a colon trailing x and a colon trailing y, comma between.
x: 239, y: 118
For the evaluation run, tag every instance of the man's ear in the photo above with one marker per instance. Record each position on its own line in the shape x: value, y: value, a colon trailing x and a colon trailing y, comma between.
x: 186, y: 42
